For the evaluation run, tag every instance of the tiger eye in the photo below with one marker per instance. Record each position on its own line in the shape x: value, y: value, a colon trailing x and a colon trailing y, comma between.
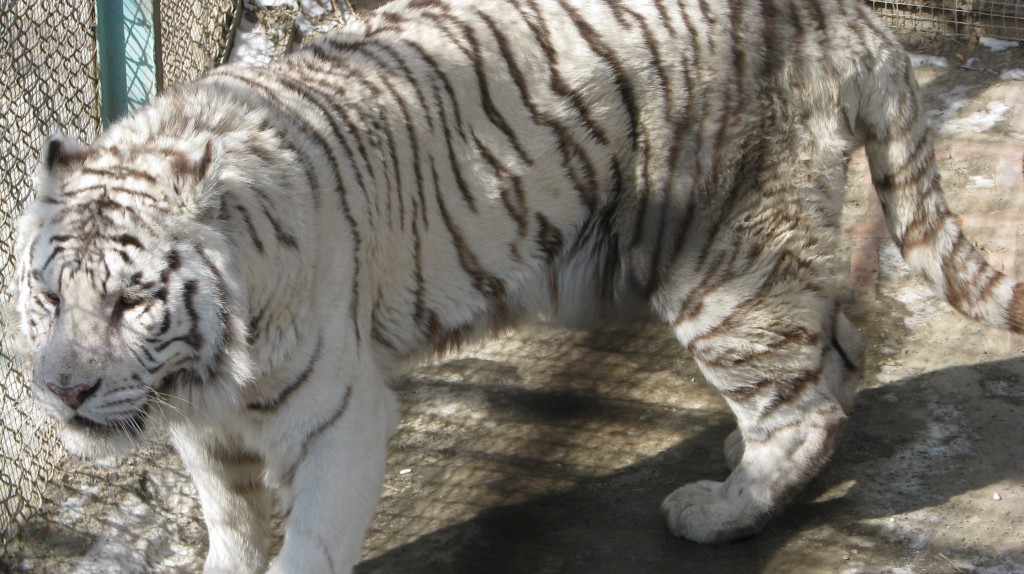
x: 128, y: 300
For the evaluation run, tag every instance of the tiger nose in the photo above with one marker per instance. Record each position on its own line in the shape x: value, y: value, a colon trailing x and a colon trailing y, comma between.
x: 70, y: 394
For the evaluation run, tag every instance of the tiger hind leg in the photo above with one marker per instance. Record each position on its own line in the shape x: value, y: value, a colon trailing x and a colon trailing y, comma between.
x: 787, y: 365
x: 847, y: 344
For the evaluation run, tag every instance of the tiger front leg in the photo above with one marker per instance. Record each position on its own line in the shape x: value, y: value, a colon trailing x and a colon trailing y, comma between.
x: 789, y: 373
x: 329, y: 469
x: 236, y: 503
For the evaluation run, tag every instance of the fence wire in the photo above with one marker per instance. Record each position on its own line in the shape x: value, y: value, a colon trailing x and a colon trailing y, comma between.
x: 1000, y: 19
x: 195, y: 36
x: 48, y: 82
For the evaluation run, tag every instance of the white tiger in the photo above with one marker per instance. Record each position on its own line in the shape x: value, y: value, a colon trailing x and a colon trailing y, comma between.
x: 249, y: 258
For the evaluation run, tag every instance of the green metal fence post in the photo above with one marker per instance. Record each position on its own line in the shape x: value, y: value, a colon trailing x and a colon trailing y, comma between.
x: 127, y: 37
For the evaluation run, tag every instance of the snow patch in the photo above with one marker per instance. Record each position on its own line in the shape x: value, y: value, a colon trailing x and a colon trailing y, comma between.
x: 252, y: 46
x: 922, y: 305
x: 310, y: 11
x: 1003, y: 388
x: 978, y: 122
x: 926, y: 60
x: 954, y: 101
x: 1008, y: 567
x: 1014, y: 74
x: 982, y: 182
x: 907, y: 472
x: 998, y: 45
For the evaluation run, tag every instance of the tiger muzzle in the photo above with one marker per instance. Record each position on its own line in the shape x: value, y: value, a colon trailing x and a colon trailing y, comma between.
x: 72, y: 394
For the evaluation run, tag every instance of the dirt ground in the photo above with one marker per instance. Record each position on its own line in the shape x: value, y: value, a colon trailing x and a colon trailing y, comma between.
x: 549, y: 451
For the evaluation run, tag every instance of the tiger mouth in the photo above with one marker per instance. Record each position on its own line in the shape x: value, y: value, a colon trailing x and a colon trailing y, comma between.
x: 134, y: 425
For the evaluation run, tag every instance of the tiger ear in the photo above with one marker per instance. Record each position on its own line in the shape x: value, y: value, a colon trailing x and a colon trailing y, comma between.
x: 197, y: 175
x: 61, y: 152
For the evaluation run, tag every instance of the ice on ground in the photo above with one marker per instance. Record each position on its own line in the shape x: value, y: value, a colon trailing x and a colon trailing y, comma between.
x: 978, y: 122
x: 924, y: 60
x: 998, y: 45
x: 919, y: 300
x: 982, y: 182
x: 252, y: 46
x: 309, y: 14
x: 1014, y: 74
x: 954, y: 100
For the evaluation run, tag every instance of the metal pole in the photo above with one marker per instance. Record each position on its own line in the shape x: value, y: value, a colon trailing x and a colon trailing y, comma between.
x: 128, y: 48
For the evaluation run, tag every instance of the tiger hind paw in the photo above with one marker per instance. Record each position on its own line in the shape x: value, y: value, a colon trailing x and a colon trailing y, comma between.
x: 702, y: 512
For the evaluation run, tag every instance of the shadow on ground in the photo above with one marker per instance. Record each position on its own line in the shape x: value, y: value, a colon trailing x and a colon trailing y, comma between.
x: 911, y: 446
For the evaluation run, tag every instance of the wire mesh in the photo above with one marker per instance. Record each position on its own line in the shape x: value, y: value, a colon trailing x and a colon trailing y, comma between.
x: 1000, y: 19
x: 195, y: 36
x: 47, y: 82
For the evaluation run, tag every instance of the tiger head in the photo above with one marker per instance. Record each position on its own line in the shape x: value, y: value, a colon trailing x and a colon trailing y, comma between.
x: 122, y: 296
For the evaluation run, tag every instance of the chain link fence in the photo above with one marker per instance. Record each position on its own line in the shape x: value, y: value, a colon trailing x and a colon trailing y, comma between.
x: 1000, y: 19
x: 195, y: 36
x: 49, y: 82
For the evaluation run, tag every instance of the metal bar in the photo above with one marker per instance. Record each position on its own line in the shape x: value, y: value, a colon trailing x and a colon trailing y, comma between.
x: 236, y: 20
x: 127, y: 45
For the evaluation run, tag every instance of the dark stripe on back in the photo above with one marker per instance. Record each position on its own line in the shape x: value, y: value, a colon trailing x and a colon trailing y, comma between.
x: 619, y: 76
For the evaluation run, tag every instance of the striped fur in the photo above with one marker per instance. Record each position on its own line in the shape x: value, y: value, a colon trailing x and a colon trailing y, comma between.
x: 247, y: 258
